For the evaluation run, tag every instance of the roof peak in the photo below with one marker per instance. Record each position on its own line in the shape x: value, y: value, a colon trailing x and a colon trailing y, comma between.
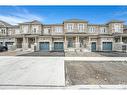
x: 32, y: 22
x: 5, y: 23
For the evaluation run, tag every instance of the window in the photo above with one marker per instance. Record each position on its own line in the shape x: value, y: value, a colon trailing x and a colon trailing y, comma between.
x: 81, y: 27
x: 25, y: 29
x: 102, y: 29
x: 35, y: 30
x: 117, y: 28
x: 91, y: 29
x: 58, y: 29
x: 47, y: 31
x: 3, y: 31
x: 70, y: 26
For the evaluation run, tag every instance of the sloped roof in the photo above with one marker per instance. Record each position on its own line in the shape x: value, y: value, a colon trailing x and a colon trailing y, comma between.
x: 5, y: 24
x: 57, y: 24
x: 16, y: 26
x: 115, y: 21
x: 32, y: 22
x: 104, y: 25
x: 75, y: 20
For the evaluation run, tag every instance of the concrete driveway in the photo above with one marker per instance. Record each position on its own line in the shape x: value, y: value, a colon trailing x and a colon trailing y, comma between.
x: 42, y: 53
x: 32, y: 71
x: 62, y: 54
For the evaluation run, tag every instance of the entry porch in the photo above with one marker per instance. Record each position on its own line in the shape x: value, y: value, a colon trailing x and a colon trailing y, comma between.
x: 26, y: 43
x: 77, y: 43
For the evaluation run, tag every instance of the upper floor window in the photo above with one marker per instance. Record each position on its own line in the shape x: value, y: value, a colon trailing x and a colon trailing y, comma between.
x: 25, y: 29
x: 91, y: 29
x: 70, y: 26
x: 35, y: 30
x: 58, y: 29
x: 3, y: 31
x: 80, y: 26
x: 47, y: 31
x: 117, y: 28
x: 103, y: 30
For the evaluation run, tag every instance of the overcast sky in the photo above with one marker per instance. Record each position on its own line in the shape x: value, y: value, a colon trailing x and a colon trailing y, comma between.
x: 56, y: 14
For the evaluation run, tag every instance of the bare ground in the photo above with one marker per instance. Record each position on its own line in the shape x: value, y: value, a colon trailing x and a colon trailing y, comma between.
x: 95, y: 73
x: 8, y: 53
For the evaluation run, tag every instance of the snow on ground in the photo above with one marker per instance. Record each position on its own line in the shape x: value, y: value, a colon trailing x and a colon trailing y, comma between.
x: 41, y: 71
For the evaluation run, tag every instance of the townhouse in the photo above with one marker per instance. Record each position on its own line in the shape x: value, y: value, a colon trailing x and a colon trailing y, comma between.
x: 71, y: 35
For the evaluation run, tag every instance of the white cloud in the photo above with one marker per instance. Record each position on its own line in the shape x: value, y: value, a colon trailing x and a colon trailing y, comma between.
x: 121, y: 12
x: 20, y: 15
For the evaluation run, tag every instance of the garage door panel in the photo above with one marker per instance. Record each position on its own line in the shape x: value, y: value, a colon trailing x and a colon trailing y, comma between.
x: 107, y: 46
x: 44, y: 46
x: 58, y: 46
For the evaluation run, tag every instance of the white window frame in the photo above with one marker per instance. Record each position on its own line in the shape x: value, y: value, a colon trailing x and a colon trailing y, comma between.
x: 81, y: 27
x: 35, y: 30
x: 58, y: 29
x: 70, y: 26
x: 117, y: 27
x: 103, y: 30
x: 47, y: 30
x: 91, y: 29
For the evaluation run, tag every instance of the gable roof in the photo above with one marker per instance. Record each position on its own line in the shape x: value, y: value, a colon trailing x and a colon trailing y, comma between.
x: 74, y: 20
x: 5, y: 24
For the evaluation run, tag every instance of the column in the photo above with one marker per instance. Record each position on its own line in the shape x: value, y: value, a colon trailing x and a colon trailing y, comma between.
x: 36, y: 40
x: 36, y: 44
x: 25, y: 43
x: 120, y: 39
x: 15, y: 43
x: 65, y: 42
x: 89, y: 43
x: 51, y: 44
x: 89, y: 39
x: 77, y: 42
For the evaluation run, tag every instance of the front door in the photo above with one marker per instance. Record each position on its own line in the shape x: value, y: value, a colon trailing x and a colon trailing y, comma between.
x: 70, y: 43
x: 93, y: 46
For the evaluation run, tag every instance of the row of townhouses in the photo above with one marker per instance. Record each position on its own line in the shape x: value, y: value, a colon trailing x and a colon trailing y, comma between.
x: 71, y: 35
